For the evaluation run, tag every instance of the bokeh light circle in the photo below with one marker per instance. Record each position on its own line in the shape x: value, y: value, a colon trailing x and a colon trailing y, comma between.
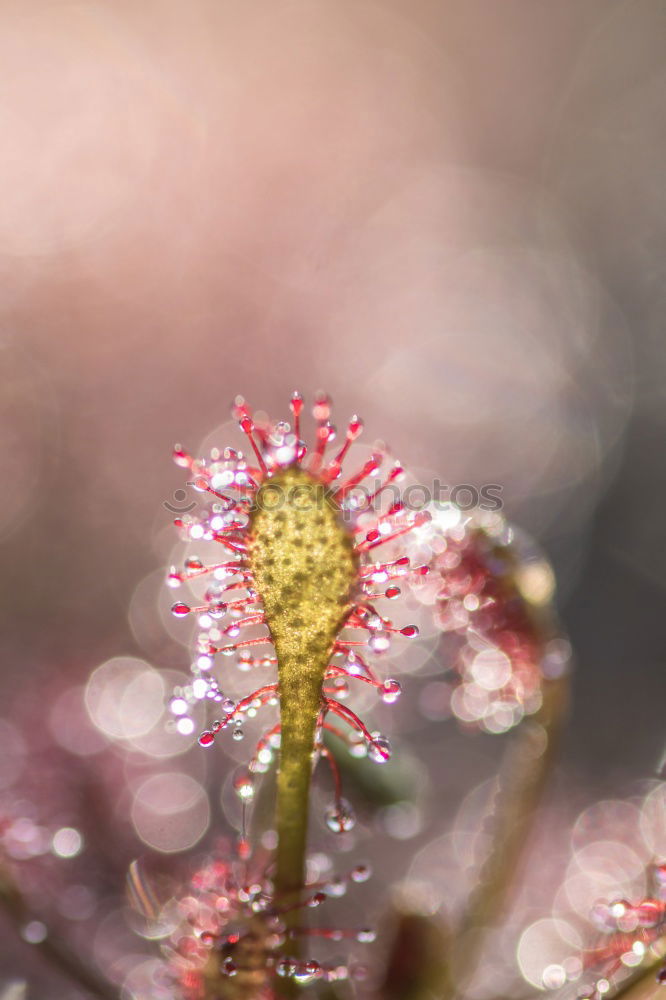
x: 170, y: 812
x: 125, y: 697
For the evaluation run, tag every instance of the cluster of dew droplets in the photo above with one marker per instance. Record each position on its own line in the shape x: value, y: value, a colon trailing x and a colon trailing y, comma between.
x: 204, y: 686
x: 631, y: 929
x: 307, y: 971
x: 221, y: 907
x: 492, y: 589
x: 222, y: 897
x: 628, y: 931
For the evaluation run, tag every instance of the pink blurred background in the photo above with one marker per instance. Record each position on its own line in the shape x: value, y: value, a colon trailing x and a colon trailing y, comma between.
x: 448, y: 215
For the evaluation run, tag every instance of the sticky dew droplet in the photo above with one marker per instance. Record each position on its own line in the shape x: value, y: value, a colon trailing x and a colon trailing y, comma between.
x: 339, y: 817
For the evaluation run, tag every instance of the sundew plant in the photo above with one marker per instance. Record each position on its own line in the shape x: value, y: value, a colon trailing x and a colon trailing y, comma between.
x: 306, y: 569
x: 316, y: 550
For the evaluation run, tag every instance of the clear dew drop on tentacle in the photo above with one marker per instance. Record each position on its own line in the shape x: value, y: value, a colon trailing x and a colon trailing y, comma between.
x: 379, y: 749
x: 390, y: 691
x: 339, y: 817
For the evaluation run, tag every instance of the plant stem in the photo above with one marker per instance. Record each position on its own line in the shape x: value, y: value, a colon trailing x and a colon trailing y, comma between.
x: 55, y: 951
x: 304, y: 566
x: 300, y: 704
x: 523, y: 774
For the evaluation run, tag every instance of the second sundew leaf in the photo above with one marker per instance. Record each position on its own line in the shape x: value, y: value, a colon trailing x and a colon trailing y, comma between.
x: 304, y: 566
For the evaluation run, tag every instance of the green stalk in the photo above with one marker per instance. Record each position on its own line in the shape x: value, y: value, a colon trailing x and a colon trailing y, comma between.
x: 300, y: 702
x: 523, y: 776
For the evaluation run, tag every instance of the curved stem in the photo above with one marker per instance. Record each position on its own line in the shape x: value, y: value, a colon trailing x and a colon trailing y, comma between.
x: 55, y: 951
x: 525, y: 769
x: 523, y: 775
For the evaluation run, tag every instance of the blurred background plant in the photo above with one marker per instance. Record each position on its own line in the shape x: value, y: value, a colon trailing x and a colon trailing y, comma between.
x: 451, y: 216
